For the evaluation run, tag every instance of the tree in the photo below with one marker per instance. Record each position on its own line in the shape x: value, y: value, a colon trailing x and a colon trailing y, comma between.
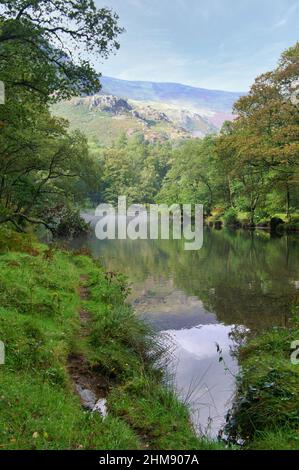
x: 55, y: 36
x: 42, y: 48
x: 40, y: 168
x: 263, y: 141
x: 194, y: 176
x: 134, y: 169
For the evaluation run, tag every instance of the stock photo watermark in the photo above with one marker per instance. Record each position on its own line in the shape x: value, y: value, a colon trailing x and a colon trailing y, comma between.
x: 295, y: 353
x: 2, y: 93
x: 2, y: 353
x: 295, y: 93
x: 138, y: 222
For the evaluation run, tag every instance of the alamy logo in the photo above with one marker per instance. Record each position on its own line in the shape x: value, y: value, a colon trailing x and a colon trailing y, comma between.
x: 157, y: 221
x: 295, y: 353
x: 295, y: 93
x: 2, y: 93
x: 2, y: 353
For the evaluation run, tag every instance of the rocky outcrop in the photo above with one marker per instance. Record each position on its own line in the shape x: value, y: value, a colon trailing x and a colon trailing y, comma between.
x: 108, y: 103
x: 156, y: 121
x: 148, y: 113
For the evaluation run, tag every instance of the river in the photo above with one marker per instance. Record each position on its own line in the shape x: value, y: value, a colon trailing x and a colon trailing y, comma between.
x: 203, y: 301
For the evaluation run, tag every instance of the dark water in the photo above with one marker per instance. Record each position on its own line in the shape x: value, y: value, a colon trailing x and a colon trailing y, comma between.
x: 237, y: 281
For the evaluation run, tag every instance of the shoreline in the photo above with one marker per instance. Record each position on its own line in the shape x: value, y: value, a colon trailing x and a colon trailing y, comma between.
x: 265, y: 412
x: 42, y: 327
x: 68, y: 329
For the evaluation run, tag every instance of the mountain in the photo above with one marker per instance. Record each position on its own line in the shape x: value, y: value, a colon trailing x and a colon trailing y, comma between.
x: 172, y: 93
x: 160, y: 111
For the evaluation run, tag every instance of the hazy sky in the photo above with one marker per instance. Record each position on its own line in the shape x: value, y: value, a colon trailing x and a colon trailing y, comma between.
x: 217, y: 44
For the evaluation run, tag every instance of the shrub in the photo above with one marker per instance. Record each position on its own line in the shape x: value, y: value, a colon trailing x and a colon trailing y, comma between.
x: 66, y: 222
x: 267, y: 386
x: 291, y: 227
x: 230, y: 217
x: 262, y: 216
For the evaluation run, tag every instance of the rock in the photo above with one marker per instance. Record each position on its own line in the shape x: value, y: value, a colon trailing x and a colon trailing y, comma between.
x: 87, y: 396
x: 101, y: 407
x: 148, y: 113
x: 107, y: 103
x: 90, y: 401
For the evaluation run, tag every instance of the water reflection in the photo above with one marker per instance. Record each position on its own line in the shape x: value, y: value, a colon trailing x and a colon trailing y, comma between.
x: 237, y: 278
x: 206, y: 384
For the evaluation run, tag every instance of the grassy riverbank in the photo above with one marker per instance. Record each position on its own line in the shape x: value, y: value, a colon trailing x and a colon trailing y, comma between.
x: 59, y: 309
x: 276, y: 222
x: 266, y: 412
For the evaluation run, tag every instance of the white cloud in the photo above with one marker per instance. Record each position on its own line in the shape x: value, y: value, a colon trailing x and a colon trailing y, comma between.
x: 287, y: 15
x: 281, y: 23
x: 219, y: 44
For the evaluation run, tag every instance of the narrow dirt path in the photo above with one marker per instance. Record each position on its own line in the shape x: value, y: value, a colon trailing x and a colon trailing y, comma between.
x: 88, y: 384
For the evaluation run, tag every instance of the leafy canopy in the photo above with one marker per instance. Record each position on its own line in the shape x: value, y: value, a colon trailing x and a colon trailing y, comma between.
x: 56, y: 35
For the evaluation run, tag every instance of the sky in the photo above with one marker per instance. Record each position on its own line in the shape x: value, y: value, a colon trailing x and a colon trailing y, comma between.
x: 214, y: 44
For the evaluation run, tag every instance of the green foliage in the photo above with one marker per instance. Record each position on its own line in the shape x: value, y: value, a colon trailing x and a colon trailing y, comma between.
x: 261, y: 146
x: 230, y: 217
x: 193, y: 176
x: 42, y: 163
x: 157, y: 417
x: 253, y: 165
x: 289, y: 227
x: 66, y: 221
x: 38, y: 415
x: 39, y: 36
x: 267, y: 404
x: 276, y: 439
x: 134, y: 169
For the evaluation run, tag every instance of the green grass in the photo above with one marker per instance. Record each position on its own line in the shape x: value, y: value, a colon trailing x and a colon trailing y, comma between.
x: 266, y: 411
x: 40, y: 327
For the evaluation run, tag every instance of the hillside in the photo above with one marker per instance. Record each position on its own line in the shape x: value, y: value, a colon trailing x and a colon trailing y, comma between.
x: 104, y: 118
x: 174, y: 93
x: 160, y: 111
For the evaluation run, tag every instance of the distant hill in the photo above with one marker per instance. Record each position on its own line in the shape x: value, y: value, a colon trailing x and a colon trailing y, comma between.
x: 172, y: 93
x: 160, y: 111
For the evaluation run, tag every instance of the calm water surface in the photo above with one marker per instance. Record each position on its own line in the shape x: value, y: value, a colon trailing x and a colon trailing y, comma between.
x: 237, y: 281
